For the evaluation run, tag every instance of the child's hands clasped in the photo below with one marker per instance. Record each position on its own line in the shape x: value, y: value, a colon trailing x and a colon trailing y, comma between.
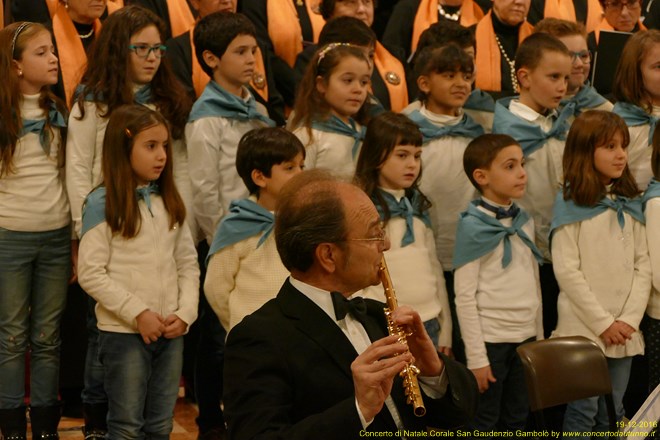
x: 174, y: 327
x: 150, y: 325
x: 617, y: 334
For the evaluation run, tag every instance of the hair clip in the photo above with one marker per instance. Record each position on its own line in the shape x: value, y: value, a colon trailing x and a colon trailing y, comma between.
x: 327, y: 48
x: 128, y: 132
x: 19, y: 29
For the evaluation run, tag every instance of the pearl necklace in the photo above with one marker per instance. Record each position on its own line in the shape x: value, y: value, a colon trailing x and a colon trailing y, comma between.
x: 447, y: 15
x: 512, y: 65
x: 87, y: 35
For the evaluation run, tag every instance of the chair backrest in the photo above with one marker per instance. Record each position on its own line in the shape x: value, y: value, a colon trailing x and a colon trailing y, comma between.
x: 561, y: 370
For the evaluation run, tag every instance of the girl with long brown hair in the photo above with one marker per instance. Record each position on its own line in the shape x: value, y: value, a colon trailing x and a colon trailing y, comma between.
x: 330, y: 107
x: 138, y: 260
x: 600, y: 256
x: 35, y: 244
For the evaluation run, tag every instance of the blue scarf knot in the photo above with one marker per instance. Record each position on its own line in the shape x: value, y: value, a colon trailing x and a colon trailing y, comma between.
x: 481, y: 101
x: 586, y: 98
x: 216, y: 101
x: 530, y: 136
x: 634, y: 116
x: 478, y: 234
x: 245, y: 219
x: 335, y: 125
x: 405, y: 209
x: 566, y: 212
x: 144, y: 193
x: 55, y: 118
x: 466, y: 127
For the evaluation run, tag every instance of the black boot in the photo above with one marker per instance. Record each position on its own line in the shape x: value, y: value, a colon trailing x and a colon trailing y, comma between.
x: 44, y: 421
x: 95, y: 420
x: 13, y: 424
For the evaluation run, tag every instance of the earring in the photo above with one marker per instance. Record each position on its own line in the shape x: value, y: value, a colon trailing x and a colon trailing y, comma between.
x: 66, y: 4
x: 20, y: 73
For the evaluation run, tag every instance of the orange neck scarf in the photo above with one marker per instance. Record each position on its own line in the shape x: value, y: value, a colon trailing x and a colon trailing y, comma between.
x: 200, y: 79
x: 284, y: 28
x: 427, y: 14
x: 563, y: 9
x: 394, y: 77
x: 488, y: 63
x: 594, y: 15
x: 181, y: 17
x: 69, y: 43
x: 605, y: 26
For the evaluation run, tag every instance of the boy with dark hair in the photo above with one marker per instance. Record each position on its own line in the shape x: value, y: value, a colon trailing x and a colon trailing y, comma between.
x: 244, y: 268
x: 493, y: 247
x: 533, y: 119
x: 225, y: 45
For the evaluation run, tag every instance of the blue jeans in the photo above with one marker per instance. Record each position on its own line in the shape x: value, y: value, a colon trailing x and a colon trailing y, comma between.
x: 142, y: 383
x: 504, y: 406
x: 34, y: 273
x: 590, y: 414
x: 93, y: 393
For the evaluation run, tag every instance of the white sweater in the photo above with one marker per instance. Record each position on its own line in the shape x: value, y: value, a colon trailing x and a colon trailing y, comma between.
x: 33, y: 197
x: 155, y: 270
x: 212, y: 145
x: 447, y: 186
x: 604, y: 274
x: 332, y: 151
x: 653, y: 239
x: 496, y: 304
x: 416, y: 274
x: 241, y: 278
x: 84, y: 152
x: 639, y: 154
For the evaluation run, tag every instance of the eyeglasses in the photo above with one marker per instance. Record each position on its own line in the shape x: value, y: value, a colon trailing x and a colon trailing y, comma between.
x: 617, y: 5
x: 583, y: 55
x: 379, y: 237
x: 144, y: 50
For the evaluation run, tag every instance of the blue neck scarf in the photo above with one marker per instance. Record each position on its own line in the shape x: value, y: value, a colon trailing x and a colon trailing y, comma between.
x: 216, y: 101
x: 55, y: 118
x: 586, y: 98
x: 94, y: 207
x: 404, y: 208
x: 245, y: 219
x: 530, y: 136
x: 335, y: 125
x: 479, y: 233
x: 466, y: 127
x: 142, y: 96
x: 481, y: 101
x: 566, y: 212
x: 652, y: 191
x: 634, y: 115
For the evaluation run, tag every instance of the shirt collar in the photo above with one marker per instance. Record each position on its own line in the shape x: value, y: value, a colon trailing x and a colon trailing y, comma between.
x: 529, y: 114
x: 441, y: 120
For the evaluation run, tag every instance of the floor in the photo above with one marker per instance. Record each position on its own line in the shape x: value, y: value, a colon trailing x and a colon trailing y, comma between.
x: 184, y: 423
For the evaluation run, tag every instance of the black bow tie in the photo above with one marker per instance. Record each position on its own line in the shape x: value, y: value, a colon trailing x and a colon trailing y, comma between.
x: 499, y: 211
x: 356, y: 306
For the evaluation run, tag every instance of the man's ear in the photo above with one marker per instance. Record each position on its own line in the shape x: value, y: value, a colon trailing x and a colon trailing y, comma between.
x: 326, y: 256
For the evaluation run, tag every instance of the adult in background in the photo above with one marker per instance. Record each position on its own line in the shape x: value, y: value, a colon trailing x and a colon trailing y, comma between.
x: 299, y: 367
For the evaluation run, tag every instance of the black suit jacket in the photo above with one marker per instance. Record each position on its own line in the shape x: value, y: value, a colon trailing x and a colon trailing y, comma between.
x: 287, y: 376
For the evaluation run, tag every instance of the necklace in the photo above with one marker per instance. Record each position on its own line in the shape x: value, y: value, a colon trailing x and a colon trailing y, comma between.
x: 87, y: 35
x: 512, y: 65
x: 447, y: 15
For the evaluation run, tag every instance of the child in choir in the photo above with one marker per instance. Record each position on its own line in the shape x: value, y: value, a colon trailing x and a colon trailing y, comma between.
x: 35, y: 235
x: 498, y: 296
x: 330, y: 107
x: 244, y: 268
x: 637, y: 91
x: 651, y: 322
x: 543, y: 66
x: 600, y: 256
x: 580, y: 95
x: 225, y: 47
x: 125, y: 67
x: 389, y: 169
x: 138, y: 261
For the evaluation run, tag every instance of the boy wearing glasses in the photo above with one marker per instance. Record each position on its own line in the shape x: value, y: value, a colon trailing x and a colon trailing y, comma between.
x: 580, y: 95
x: 225, y: 46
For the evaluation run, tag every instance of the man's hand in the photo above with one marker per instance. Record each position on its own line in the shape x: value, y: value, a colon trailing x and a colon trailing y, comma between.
x: 374, y: 371
x: 150, y: 325
x: 420, y: 344
x: 174, y: 327
x: 484, y: 377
